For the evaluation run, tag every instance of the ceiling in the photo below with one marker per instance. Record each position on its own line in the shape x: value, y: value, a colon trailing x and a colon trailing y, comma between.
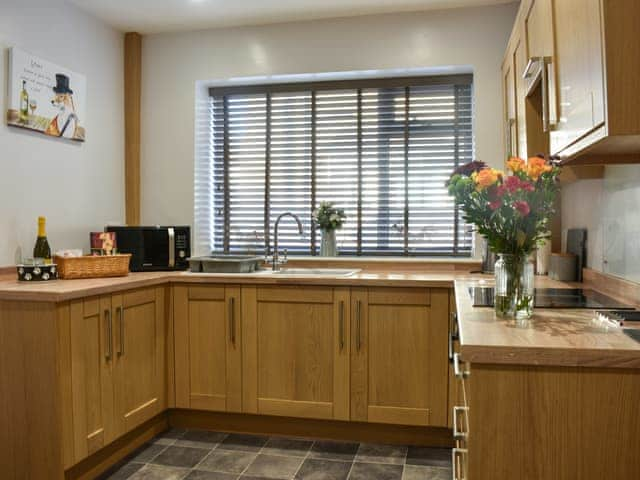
x: 154, y: 16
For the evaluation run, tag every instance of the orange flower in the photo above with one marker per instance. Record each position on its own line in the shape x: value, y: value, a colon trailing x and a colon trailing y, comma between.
x: 486, y: 177
x: 516, y: 164
x: 536, y: 166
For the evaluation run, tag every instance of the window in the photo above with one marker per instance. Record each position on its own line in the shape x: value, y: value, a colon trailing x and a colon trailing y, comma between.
x: 381, y: 149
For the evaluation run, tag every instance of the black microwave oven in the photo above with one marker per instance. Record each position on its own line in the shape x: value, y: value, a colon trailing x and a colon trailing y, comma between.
x: 154, y: 248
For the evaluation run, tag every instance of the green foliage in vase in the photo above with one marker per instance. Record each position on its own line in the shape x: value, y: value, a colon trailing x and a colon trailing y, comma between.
x: 512, y: 212
x: 329, y: 218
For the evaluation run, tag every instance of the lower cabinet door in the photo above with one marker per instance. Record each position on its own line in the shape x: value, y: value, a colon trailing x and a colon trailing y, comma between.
x: 399, y: 361
x: 296, y: 351
x: 208, y: 347
x: 139, y: 356
x: 91, y: 348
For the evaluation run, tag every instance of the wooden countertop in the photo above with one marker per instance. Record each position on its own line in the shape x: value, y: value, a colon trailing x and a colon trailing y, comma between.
x: 552, y: 337
x: 63, y: 290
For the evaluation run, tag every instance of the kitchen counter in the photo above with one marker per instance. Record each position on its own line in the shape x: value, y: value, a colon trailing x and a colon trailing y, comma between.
x: 552, y: 337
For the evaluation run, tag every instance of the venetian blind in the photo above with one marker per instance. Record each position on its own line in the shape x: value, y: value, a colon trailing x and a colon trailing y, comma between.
x: 380, y: 149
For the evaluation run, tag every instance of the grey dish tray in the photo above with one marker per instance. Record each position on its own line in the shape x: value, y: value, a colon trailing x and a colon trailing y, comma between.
x: 224, y: 264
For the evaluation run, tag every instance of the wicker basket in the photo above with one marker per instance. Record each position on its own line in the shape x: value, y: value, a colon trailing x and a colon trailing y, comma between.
x: 93, y: 266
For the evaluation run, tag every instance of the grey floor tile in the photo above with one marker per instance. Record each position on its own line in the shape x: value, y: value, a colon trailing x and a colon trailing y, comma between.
x: 334, y: 450
x: 435, y: 457
x: 186, y: 457
x: 417, y: 472
x: 169, y: 436
x: 272, y: 466
x: 203, y: 475
x: 320, y: 469
x: 251, y: 477
x: 122, y: 472
x: 247, y: 443
x: 157, y: 472
x: 227, y: 461
x: 291, y: 447
x: 374, y: 453
x: 375, y: 471
x: 146, y: 453
x: 201, y: 439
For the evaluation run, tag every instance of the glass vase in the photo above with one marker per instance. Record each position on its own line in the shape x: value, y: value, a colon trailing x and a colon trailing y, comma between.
x: 328, y: 246
x: 514, y: 276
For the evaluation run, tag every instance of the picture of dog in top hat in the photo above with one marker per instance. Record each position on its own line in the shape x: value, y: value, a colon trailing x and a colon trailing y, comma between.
x: 65, y: 123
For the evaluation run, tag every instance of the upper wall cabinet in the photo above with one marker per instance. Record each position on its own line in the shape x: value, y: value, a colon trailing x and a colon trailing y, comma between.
x: 585, y: 57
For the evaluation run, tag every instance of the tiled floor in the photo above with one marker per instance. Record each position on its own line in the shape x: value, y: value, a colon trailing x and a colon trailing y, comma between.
x: 200, y: 455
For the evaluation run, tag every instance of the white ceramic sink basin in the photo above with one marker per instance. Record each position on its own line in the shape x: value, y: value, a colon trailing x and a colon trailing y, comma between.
x: 312, y: 272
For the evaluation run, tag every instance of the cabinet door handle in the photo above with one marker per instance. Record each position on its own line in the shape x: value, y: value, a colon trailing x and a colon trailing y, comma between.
x: 341, y: 326
x: 460, y: 433
x: 528, y: 69
x: 456, y: 367
x: 232, y: 320
x: 459, y: 460
x: 552, y: 111
x: 109, y: 339
x: 453, y: 333
x: 358, y: 325
x: 120, y: 314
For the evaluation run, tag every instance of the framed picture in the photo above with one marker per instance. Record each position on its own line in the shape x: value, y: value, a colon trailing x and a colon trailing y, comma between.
x: 45, y: 97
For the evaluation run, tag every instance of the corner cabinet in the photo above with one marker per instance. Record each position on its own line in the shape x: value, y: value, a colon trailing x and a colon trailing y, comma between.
x: 580, y: 70
x: 296, y: 352
x: 208, y: 347
x: 399, y: 367
x: 117, y: 359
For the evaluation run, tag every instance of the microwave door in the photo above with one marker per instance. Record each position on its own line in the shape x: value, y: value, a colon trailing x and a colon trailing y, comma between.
x: 156, y: 248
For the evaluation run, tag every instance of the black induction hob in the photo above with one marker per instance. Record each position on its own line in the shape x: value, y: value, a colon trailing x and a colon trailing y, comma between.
x: 555, y: 298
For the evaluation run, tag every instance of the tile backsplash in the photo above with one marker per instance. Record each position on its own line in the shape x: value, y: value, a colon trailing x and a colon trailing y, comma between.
x: 609, y: 209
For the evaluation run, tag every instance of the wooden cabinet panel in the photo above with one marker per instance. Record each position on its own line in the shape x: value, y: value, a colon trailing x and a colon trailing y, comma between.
x: 140, y: 375
x: 91, y: 347
x: 520, y: 63
x: 580, y: 70
x: 296, y: 358
x: 539, y: 29
x: 510, y: 120
x: 208, y: 347
x: 399, y: 356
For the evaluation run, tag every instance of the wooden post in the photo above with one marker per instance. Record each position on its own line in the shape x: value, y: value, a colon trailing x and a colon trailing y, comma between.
x: 132, y: 85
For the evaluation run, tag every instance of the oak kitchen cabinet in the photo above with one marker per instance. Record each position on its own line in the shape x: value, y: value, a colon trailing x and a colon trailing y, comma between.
x: 584, y: 57
x: 399, y: 368
x: 117, y: 359
x: 208, y: 347
x: 296, y: 353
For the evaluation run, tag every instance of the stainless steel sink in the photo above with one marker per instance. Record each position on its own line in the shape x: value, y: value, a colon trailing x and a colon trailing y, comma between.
x: 312, y: 272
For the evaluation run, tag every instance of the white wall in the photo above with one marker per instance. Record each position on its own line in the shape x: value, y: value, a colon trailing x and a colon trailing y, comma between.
x: 173, y: 63
x: 608, y: 209
x: 78, y: 187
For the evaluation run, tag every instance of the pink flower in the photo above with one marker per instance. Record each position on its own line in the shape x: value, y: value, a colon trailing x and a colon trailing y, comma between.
x: 522, y: 207
x: 513, y: 184
x: 495, y: 205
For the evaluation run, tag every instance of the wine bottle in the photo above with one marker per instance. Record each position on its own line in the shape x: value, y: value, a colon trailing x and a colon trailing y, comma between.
x: 42, y: 249
x: 24, y: 103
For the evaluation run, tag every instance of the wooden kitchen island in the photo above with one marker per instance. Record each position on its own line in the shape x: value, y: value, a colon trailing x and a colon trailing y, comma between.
x: 553, y: 399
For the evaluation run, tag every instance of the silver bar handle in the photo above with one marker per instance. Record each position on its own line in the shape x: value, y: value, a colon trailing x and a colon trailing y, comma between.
x: 552, y: 114
x: 232, y: 320
x: 341, y: 326
x: 530, y: 64
x: 453, y: 333
x: 358, y: 325
x: 460, y: 434
x: 120, y: 313
x: 109, y: 325
x: 456, y: 368
x: 459, y: 460
x: 172, y: 247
